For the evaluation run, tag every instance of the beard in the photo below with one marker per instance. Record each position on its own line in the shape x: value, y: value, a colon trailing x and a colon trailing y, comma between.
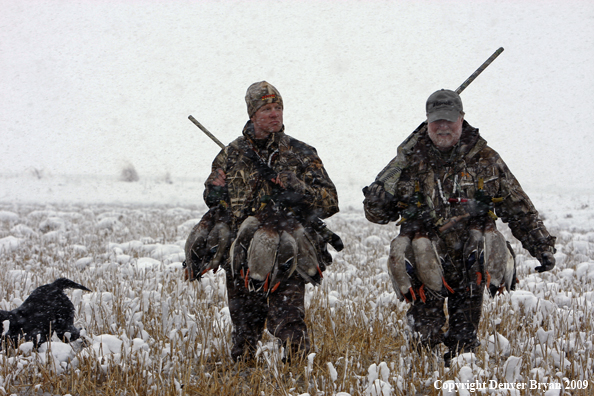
x: 446, y: 136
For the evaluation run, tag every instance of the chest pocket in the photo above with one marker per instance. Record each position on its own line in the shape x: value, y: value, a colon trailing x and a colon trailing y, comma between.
x: 469, y: 180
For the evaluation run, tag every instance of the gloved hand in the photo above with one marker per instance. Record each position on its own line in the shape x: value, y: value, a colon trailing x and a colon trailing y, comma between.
x: 376, y: 196
x: 380, y: 205
x: 547, y: 261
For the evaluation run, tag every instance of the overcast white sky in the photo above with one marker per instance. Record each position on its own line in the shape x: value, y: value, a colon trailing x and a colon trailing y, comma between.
x: 86, y: 86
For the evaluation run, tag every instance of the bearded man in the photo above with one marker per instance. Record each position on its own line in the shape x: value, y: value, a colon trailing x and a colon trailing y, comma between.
x: 447, y: 187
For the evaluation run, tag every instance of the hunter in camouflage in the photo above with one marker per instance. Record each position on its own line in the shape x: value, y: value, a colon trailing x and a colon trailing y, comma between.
x: 297, y: 164
x: 445, y: 184
x: 237, y: 179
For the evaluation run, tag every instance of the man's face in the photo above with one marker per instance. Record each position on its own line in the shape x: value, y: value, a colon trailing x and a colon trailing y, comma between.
x: 445, y: 134
x: 267, y: 119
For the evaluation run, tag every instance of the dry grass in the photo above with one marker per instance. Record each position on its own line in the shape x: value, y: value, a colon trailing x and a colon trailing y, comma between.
x: 175, y: 336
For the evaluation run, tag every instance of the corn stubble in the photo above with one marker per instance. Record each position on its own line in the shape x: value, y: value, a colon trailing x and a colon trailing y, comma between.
x: 176, y: 335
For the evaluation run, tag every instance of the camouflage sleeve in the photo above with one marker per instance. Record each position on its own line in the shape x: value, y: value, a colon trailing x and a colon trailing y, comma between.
x: 379, y: 205
x: 390, y: 175
x: 315, y: 184
x: 522, y: 217
x: 219, y: 162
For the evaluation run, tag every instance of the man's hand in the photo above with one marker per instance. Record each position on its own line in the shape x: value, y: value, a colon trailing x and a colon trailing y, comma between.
x: 218, y: 188
x: 547, y: 261
x: 219, y: 180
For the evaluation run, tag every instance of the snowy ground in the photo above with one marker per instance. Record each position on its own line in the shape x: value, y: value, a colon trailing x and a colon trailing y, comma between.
x: 125, y: 242
x: 91, y: 85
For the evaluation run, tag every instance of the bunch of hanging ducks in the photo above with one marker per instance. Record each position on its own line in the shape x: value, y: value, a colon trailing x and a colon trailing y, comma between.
x: 268, y: 248
x: 487, y: 252
x: 414, y: 254
x: 207, y: 246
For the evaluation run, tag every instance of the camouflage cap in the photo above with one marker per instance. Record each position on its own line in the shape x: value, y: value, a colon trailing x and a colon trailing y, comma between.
x: 260, y: 94
x: 444, y: 105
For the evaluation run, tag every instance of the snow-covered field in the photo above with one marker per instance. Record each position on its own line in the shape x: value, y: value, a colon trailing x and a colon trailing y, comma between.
x: 91, y: 85
x: 124, y: 241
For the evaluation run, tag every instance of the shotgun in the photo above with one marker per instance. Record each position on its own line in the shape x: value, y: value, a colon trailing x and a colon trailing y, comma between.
x: 390, y: 175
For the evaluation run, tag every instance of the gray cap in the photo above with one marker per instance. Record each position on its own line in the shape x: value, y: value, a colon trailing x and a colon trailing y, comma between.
x: 444, y: 105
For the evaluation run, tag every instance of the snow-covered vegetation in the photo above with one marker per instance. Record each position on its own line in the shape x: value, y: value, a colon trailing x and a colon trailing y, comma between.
x: 88, y: 86
x: 146, y: 331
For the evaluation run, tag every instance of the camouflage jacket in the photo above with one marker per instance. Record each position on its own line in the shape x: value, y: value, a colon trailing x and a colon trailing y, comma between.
x: 247, y: 189
x: 458, y: 174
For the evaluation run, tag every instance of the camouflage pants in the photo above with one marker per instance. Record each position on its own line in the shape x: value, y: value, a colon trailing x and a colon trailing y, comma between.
x: 283, y: 313
x: 464, y: 307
